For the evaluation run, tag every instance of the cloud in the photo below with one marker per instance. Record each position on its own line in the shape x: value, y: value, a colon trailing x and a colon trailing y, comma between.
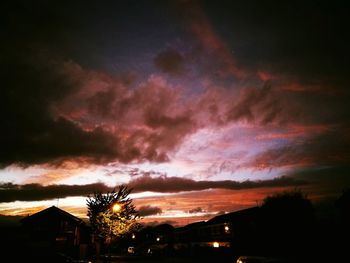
x: 56, y: 111
x: 257, y: 104
x: 335, y: 175
x: 36, y: 192
x: 327, y: 148
x: 170, y: 61
x: 33, y: 85
x: 152, y: 119
x: 58, y: 102
x: 210, y: 51
x: 196, y: 210
x: 163, y: 184
x: 148, y: 210
x: 137, y: 172
x: 327, y: 183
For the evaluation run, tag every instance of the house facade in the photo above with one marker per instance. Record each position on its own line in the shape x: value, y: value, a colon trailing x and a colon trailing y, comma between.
x: 57, y: 230
x: 231, y: 230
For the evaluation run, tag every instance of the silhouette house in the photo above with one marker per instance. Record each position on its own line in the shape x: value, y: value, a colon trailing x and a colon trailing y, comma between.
x: 224, y: 231
x: 57, y: 230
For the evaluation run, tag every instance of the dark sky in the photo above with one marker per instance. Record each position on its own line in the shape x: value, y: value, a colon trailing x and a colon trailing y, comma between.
x: 192, y: 94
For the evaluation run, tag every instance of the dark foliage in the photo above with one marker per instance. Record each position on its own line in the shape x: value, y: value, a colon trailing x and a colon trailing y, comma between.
x: 343, y: 206
x: 287, y: 221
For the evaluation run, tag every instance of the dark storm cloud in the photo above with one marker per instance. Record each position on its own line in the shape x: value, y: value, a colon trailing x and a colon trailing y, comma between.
x: 49, y: 115
x: 35, y: 77
x: 54, y: 109
x: 166, y: 184
x: 170, y: 61
x: 329, y: 176
x: 148, y: 210
x: 31, y: 133
x: 37, y: 192
x: 37, y: 129
x: 328, y: 182
x: 33, y: 192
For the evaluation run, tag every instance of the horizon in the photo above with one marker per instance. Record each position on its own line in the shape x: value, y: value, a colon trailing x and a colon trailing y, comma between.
x: 152, y: 216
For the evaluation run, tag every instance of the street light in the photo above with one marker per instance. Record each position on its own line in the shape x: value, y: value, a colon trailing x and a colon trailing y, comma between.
x: 116, y: 208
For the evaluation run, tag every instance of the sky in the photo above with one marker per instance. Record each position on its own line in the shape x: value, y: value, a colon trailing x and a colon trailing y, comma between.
x: 202, y: 107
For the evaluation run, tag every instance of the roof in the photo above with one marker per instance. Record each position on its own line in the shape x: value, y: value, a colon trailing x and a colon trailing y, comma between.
x: 233, y: 216
x: 52, y: 211
x: 192, y: 225
x: 237, y: 216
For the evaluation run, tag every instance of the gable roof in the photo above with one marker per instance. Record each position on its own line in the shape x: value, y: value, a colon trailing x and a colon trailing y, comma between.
x: 191, y: 226
x: 233, y: 216
x: 52, y: 211
x: 240, y: 216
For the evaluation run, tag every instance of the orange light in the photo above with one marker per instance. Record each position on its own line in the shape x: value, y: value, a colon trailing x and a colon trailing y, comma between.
x: 227, y: 229
x: 216, y: 244
x: 116, y: 207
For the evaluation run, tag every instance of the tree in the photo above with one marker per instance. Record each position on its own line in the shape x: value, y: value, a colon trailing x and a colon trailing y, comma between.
x: 293, y: 206
x: 287, y: 221
x: 112, y: 214
x: 343, y: 206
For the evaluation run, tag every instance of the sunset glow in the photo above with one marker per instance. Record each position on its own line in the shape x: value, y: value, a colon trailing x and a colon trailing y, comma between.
x: 201, y: 108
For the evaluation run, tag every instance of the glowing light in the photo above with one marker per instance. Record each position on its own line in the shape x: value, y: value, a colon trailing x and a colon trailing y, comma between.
x: 216, y: 244
x: 158, y: 239
x: 133, y: 236
x: 116, y: 208
x: 227, y: 229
